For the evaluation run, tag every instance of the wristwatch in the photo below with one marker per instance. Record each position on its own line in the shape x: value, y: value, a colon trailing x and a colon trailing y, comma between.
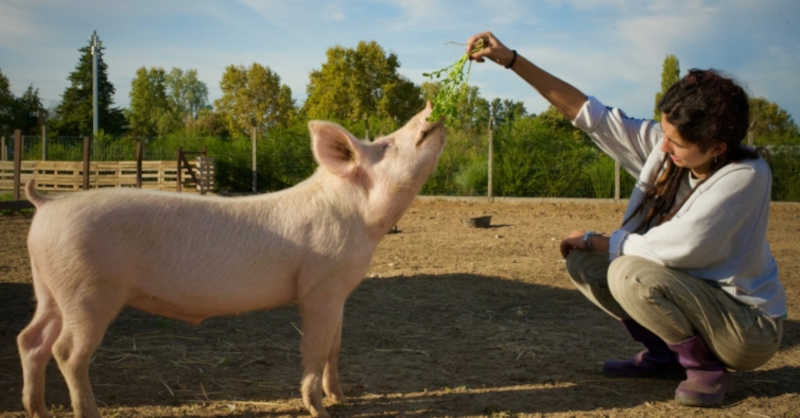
x: 587, y: 239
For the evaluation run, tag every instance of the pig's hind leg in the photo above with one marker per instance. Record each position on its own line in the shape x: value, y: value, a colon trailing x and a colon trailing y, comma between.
x: 86, y: 315
x: 35, y: 344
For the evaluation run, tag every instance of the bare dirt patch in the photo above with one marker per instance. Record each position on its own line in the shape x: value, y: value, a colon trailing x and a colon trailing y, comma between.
x: 452, y: 321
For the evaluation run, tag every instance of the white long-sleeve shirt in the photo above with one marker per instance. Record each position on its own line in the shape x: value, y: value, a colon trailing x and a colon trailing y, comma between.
x: 720, y: 232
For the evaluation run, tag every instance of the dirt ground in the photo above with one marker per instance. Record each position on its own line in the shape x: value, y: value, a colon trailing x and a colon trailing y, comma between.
x: 451, y: 321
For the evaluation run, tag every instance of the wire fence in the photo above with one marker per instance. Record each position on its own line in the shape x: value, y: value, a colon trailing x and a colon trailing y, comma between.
x: 70, y: 148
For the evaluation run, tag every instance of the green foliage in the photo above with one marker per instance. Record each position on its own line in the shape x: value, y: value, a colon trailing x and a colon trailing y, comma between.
x: 357, y: 87
x: 188, y: 96
x: 506, y: 111
x: 7, y: 104
x: 670, y: 74
x: 456, y: 172
x: 150, y: 113
x: 770, y: 124
x: 453, y: 89
x: 785, y: 163
x: 601, y: 176
x: 29, y: 113
x: 533, y: 159
x: 254, y: 98
x: 25, y: 113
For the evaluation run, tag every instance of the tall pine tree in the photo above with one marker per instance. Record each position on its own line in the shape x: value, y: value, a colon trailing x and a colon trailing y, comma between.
x: 74, y: 114
x: 670, y: 74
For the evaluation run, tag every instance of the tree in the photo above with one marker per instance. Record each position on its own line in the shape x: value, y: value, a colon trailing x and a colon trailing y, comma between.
x: 150, y: 112
x: 358, y: 85
x: 210, y: 123
x: 254, y: 98
x: 29, y: 113
x: 7, y: 103
x: 506, y: 111
x: 187, y: 95
x: 670, y: 74
x: 771, y: 125
x: 74, y: 114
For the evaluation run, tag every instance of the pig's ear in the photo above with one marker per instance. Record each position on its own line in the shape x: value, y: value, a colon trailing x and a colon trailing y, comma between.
x: 334, y: 148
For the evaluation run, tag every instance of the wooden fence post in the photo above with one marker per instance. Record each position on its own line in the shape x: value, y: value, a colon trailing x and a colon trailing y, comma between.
x: 44, y: 143
x: 139, y: 155
x: 616, y: 180
x: 17, y: 162
x: 179, y: 186
x: 3, y: 150
x: 204, y: 171
x: 87, y: 153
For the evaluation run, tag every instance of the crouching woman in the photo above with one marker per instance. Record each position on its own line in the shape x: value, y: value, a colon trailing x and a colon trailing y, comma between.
x: 689, y: 273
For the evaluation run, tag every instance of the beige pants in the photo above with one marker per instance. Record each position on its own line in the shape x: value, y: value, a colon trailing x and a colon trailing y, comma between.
x: 676, y: 306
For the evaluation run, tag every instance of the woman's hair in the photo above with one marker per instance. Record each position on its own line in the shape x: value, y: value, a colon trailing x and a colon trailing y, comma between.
x: 705, y: 108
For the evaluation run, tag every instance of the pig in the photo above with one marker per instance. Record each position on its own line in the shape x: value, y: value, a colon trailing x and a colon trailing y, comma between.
x: 190, y: 258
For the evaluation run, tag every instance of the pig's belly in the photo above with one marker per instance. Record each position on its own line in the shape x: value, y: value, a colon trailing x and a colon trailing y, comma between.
x: 197, y: 304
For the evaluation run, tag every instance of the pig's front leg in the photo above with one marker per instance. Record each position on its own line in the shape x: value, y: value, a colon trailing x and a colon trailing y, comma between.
x: 321, y: 313
x: 330, y: 376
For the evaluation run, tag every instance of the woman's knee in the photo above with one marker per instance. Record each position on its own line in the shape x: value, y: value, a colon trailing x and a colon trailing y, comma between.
x: 631, y: 276
x: 586, y: 267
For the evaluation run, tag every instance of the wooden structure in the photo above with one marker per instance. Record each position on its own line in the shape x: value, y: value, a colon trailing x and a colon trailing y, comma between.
x: 69, y: 175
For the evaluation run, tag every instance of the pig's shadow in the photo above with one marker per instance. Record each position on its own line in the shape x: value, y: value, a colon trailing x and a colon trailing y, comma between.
x: 449, y: 344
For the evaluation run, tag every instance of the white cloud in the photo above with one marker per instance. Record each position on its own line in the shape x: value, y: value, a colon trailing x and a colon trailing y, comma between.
x: 17, y: 22
x: 652, y: 34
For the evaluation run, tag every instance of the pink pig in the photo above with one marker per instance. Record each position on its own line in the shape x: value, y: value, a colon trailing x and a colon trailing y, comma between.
x: 191, y: 258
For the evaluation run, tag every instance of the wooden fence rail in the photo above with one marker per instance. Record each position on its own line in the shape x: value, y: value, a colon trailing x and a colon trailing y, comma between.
x: 68, y: 175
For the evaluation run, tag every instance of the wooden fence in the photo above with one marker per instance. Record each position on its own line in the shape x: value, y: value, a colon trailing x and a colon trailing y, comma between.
x: 68, y: 176
x: 179, y: 175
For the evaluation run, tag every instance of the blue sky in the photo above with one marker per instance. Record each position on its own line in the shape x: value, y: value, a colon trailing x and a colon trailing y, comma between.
x: 611, y: 49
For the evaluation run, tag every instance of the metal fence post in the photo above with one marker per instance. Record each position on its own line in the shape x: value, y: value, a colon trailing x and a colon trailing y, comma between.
x: 255, y: 170
x: 491, y: 158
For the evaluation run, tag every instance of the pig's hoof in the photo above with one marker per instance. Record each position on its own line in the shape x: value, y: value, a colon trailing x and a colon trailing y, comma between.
x: 320, y: 413
x: 336, y: 398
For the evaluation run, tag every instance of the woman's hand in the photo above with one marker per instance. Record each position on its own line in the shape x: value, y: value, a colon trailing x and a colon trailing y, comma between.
x: 573, y: 241
x: 492, y: 49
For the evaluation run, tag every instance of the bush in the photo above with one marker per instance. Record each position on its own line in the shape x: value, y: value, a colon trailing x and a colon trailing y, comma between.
x: 533, y: 159
x: 785, y: 164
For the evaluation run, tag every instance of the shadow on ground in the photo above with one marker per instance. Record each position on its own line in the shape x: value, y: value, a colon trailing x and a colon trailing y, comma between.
x: 426, y: 344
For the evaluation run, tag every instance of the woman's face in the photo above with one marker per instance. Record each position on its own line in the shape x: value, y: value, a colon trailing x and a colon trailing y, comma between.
x: 687, y: 154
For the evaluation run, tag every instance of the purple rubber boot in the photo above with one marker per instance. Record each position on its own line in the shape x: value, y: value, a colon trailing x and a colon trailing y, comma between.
x: 706, y: 378
x: 656, y: 361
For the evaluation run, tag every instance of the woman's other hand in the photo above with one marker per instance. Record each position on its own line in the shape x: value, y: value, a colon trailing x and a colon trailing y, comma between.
x: 573, y: 241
